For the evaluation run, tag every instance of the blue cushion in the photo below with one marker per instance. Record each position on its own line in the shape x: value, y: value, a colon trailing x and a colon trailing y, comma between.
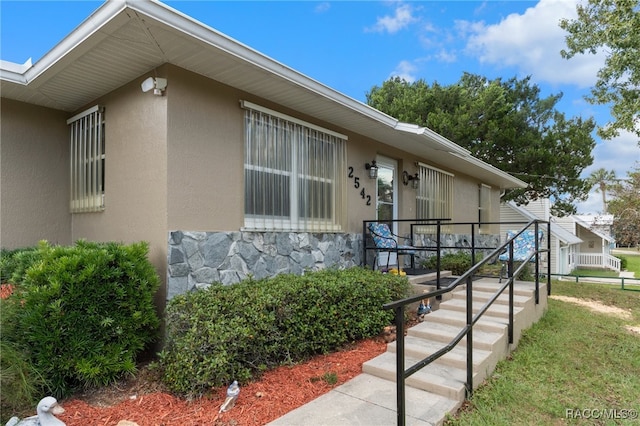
x: 383, y: 238
x: 523, y: 245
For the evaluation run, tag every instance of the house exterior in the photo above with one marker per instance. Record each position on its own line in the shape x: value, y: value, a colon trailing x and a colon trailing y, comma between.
x: 573, y: 242
x: 596, y: 245
x: 603, y: 224
x: 144, y: 124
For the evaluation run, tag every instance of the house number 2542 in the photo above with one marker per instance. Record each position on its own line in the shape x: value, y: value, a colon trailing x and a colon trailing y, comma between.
x: 356, y: 185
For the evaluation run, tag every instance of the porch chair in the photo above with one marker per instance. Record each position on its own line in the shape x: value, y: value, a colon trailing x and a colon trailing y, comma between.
x: 385, y: 242
x: 523, y: 245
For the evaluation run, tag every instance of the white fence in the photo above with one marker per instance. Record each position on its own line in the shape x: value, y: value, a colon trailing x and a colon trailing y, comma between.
x: 596, y: 260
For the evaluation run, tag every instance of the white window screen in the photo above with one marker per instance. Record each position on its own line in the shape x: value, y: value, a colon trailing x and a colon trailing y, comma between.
x: 484, y: 206
x: 87, y: 151
x: 435, y: 195
x: 294, y: 173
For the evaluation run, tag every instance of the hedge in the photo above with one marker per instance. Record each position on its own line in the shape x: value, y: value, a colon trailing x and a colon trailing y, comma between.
x: 236, y: 332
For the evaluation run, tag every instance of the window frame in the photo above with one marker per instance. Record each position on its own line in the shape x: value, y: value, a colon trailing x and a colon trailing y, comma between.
x: 307, y: 177
x: 87, y: 161
x: 434, y: 196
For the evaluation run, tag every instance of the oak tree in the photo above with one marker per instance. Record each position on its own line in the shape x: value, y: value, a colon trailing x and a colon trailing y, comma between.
x: 505, y: 123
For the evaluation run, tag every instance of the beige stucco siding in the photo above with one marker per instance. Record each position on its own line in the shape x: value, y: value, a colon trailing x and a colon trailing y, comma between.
x: 205, y: 185
x: 135, y: 175
x: 34, y: 175
x: 205, y: 151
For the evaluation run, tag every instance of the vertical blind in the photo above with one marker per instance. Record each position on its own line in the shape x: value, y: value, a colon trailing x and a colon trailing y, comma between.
x: 87, y: 152
x: 435, y: 195
x: 294, y: 174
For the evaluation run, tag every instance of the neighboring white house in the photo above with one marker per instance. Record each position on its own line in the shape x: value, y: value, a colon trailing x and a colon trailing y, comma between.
x: 564, y: 244
x: 595, y: 249
x: 602, y: 223
x: 575, y: 242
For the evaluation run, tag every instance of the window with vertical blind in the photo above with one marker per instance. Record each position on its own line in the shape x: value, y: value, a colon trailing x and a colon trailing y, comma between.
x: 294, y: 173
x: 484, y: 206
x: 435, y: 194
x: 87, y: 162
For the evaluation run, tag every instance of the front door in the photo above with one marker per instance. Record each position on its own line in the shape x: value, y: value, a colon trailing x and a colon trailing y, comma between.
x: 387, y: 203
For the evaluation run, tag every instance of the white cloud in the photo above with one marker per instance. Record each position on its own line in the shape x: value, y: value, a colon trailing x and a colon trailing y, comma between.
x: 402, y: 18
x: 406, y: 71
x: 532, y: 43
x: 446, y: 56
x: 619, y: 154
x: 322, y: 7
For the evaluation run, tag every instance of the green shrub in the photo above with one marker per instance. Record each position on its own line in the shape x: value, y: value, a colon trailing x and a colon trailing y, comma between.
x: 458, y: 263
x: 20, y: 381
x: 13, y: 263
x: 85, y: 312
x: 623, y: 262
x: 227, y: 333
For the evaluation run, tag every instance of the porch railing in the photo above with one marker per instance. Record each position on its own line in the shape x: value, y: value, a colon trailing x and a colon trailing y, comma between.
x: 467, y: 331
x: 596, y: 260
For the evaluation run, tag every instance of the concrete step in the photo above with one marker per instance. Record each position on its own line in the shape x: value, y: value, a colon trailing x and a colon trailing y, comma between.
x: 521, y: 288
x: 492, y: 341
x: 421, y: 348
x: 418, y: 279
x: 483, y: 296
x: 442, y: 380
x: 452, y: 317
x: 495, y: 310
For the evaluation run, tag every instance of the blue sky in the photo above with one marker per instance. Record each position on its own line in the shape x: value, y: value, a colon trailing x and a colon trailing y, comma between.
x: 352, y: 46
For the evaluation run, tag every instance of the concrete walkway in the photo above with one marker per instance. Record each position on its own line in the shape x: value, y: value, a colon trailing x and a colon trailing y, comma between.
x: 438, y: 389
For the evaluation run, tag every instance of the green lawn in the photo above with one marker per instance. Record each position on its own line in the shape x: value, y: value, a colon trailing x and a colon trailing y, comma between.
x: 583, y: 272
x: 571, y: 359
x: 633, y: 262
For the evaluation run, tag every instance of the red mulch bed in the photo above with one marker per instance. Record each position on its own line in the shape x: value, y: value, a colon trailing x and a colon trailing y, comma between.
x: 144, y: 400
x: 275, y: 394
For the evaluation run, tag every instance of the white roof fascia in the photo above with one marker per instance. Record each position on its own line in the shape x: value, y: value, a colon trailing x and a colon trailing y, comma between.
x: 13, y: 72
x: 457, y: 150
x: 94, y: 23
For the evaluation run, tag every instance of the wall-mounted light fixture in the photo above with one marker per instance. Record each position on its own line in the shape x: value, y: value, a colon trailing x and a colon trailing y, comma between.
x: 157, y: 84
x: 373, y: 169
x: 414, y: 179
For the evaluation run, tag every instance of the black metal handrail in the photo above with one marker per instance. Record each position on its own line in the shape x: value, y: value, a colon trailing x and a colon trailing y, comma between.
x: 401, y: 373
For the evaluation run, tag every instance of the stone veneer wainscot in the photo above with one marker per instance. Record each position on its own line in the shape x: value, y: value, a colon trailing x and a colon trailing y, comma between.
x: 197, y: 259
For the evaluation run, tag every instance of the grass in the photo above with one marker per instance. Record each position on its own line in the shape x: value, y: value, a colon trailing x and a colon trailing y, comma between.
x: 585, y: 272
x: 571, y: 359
x: 633, y: 262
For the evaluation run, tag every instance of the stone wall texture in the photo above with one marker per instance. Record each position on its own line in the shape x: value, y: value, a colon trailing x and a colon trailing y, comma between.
x: 198, y: 259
